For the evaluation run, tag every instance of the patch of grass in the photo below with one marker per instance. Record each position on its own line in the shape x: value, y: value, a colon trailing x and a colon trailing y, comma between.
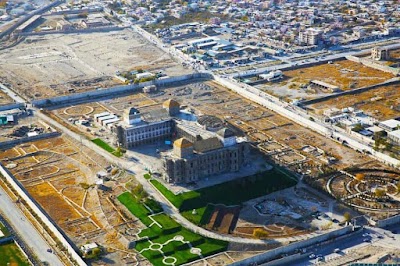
x: 4, y: 230
x: 202, y: 215
x: 153, y: 205
x: 135, y: 207
x: 176, y: 200
x: 147, y: 176
x: 105, y: 146
x: 10, y: 254
x: 165, y: 221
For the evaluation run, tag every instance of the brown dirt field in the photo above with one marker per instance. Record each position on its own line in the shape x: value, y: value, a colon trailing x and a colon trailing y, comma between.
x: 385, y: 108
x: 49, y: 143
x: 53, y: 203
x: 11, y: 153
x: 4, y: 98
x: 67, y: 180
x: 75, y: 194
x: 28, y: 148
x: 331, y: 73
x: 79, y: 228
x: 37, y: 172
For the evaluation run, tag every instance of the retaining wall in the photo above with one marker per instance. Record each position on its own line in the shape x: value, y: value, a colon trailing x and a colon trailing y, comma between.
x: 88, y: 30
x: 269, y: 255
x: 41, y: 214
x: 79, y: 11
x: 388, y: 221
x: 116, y: 90
x: 9, y: 143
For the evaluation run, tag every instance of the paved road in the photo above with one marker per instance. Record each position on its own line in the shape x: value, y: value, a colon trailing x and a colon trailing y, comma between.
x: 26, y: 230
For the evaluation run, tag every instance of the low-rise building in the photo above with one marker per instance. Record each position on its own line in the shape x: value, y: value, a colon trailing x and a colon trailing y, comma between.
x: 389, y: 125
x: 394, y: 137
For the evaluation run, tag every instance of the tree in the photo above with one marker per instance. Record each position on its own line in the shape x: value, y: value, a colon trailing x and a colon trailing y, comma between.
x: 347, y: 216
x: 360, y: 177
x: 139, y: 192
x: 260, y: 233
x: 379, y: 192
x: 358, y: 127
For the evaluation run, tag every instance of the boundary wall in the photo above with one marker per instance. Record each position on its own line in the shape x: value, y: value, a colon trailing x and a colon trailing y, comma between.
x: 117, y: 90
x: 269, y: 255
x: 8, y: 143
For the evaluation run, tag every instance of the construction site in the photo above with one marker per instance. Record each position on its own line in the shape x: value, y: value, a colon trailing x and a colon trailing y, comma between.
x: 54, y: 65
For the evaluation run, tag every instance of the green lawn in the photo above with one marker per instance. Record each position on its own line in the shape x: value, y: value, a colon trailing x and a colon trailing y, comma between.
x: 136, y: 208
x: 105, y: 146
x: 232, y: 192
x: 4, y: 230
x: 10, y: 254
x: 229, y: 193
x: 153, y: 205
x: 168, y: 230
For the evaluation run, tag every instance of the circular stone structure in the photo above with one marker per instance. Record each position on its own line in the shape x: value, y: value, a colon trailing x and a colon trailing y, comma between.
x: 375, y: 190
x: 169, y: 260
x: 210, y: 122
x: 155, y: 246
x: 78, y: 110
x: 196, y: 251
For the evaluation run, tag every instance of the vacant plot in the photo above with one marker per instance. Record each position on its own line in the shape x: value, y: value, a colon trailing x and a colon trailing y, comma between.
x: 382, y: 103
x: 67, y: 63
x: 341, y: 73
x: 53, y: 203
x: 11, y: 254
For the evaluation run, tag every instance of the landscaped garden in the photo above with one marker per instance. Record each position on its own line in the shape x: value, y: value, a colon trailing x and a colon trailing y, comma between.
x: 164, y: 241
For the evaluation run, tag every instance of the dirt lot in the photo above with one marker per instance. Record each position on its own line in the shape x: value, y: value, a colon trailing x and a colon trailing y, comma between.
x: 345, y: 74
x: 382, y: 103
x: 61, y: 64
x: 340, y: 73
x: 60, y: 175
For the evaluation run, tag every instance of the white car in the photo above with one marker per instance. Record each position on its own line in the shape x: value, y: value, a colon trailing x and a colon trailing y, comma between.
x: 312, y: 256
